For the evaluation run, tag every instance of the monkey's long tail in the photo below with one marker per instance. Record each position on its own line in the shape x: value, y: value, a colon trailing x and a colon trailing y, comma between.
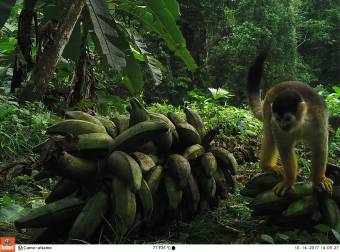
x: 254, y: 80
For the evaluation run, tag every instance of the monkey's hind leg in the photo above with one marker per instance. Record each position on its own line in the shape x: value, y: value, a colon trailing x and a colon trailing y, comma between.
x: 269, y: 154
x: 319, y: 164
x: 289, y: 162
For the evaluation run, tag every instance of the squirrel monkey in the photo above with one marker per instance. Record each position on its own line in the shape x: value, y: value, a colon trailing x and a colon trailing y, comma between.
x: 291, y: 112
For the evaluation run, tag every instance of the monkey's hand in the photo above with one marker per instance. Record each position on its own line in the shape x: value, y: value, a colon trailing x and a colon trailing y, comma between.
x: 325, y: 183
x: 281, y: 188
x: 274, y: 168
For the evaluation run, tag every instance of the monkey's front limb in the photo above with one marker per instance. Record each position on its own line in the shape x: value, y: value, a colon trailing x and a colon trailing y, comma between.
x: 269, y: 154
x: 289, y: 162
x: 319, y: 164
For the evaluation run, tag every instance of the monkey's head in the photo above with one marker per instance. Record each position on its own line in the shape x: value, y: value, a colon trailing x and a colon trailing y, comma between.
x: 288, y: 109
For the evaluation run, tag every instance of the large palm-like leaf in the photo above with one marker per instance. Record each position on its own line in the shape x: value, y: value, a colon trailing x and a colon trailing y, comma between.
x: 100, y: 19
x: 154, y: 66
x: 173, y: 7
x: 158, y: 18
x: 5, y: 10
x: 132, y: 73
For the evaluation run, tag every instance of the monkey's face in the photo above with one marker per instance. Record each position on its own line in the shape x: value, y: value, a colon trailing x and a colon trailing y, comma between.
x: 286, y: 121
x: 287, y: 110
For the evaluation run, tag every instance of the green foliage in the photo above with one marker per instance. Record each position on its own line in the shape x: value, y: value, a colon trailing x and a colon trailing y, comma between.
x: 215, y: 112
x: 229, y: 119
x: 160, y: 16
x: 105, y: 34
x: 267, y: 238
x: 108, y: 105
x: 332, y: 99
x: 333, y: 102
x: 322, y: 235
x: 21, y: 128
x: 318, y: 33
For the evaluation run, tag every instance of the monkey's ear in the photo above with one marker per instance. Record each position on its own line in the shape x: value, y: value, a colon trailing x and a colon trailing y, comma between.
x: 302, y: 108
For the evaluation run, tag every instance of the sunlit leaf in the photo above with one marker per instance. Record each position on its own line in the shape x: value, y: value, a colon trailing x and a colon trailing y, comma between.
x: 283, y: 236
x: 336, y: 234
x: 11, y: 212
x: 267, y: 238
x: 137, y: 54
x: 322, y: 228
x: 173, y: 7
x: 7, y: 44
x: 336, y: 89
x: 219, y: 93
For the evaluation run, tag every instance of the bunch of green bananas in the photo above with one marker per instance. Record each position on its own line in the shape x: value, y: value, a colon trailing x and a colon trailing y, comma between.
x: 304, y: 206
x: 128, y: 173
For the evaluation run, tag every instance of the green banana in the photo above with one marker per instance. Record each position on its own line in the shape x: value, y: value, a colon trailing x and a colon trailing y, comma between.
x: 164, y: 141
x: 124, y: 204
x: 75, y: 127
x: 336, y: 194
x: 191, y: 195
x: 145, y: 162
x: 80, y: 115
x: 94, y: 141
x: 174, y: 193
x: 206, y: 184
x: 122, y: 122
x: 110, y: 126
x: 193, y: 151
x: 225, y: 159
x: 195, y: 120
x: 330, y: 212
x: 148, y: 148
x: 126, y: 168
x: 138, y: 113
x: 268, y: 202
x: 51, y: 214
x: 72, y: 167
x: 179, y: 168
x: 154, y: 177
x: 160, y: 208
x: 250, y: 192
x: 137, y: 134
x: 175, y: 118
x: 62, y: 189
x: 171, y: 126
x: 263, y: 181
x: 89, y: 218
x: 145, y: 197
x: 188, y: 134
x: 301, y: 207
x: 208, y: 164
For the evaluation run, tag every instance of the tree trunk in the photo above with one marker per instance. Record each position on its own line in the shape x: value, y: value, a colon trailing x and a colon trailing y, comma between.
x: 23, y: 58
x: 46, y: 65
